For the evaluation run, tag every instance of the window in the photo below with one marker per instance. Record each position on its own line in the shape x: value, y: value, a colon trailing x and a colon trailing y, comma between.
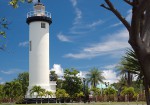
x: 43, y: 25
x: 30, y: 46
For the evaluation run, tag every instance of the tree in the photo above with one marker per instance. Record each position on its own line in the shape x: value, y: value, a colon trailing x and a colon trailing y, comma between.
x: 1, y: 92
x: 109, y: 91
x: 96, y: 92
x: 61, y: 93
x: 49, y: 93
x: 42, y: 93
x: 79, y: 95
x: 53, y: 76
x: 72, y: 84
x: 129, y: 91
x: 130, y: 64
x: 37, y: 90
x: 12, y: 90
x: 139, y: 34
x: 23, y: 79
x: 95, y: 76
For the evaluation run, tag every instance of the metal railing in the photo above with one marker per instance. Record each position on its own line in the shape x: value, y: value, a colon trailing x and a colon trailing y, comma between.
x: 38, y: 13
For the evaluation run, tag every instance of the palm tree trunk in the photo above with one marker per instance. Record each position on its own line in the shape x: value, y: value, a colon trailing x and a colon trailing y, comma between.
x: 129, y: 79
x: 36, y: 100
x: 48, y: 98
x: 41, y: 100
x: 147, y: 92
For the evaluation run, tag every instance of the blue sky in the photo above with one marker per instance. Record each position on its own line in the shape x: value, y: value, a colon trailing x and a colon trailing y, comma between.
x: 83, y: 35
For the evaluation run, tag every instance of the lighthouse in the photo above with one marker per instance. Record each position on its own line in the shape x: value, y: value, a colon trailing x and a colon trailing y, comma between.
x: 39, y: 21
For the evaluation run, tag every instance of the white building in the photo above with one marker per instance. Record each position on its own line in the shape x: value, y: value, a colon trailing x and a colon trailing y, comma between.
x: 39, y: 21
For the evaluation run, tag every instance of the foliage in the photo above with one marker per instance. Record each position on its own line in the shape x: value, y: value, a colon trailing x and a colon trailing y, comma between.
x: 59, y: 83
x: 110, y: 91
x: 3, y: 27
x: 96, y: 91
x: 35, y: 89
x: 15, y: 3
x: 130, y: 63
x: 61, y: 93
x: 12, y: 89
x: 95, y: 76
x: 53, y: 76
x: 23, y: 79
x: 72, y: 84
x: 128, y: 91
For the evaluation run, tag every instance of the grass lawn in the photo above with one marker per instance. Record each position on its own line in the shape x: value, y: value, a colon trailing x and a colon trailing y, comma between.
x: 92, y: 103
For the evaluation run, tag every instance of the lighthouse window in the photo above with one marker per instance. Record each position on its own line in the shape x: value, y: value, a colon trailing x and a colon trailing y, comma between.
x: 43, y: 25
x: 30, y: 45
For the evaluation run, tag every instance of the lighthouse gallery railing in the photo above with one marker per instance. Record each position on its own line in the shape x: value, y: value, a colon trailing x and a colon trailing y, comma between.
x: 38, y: 13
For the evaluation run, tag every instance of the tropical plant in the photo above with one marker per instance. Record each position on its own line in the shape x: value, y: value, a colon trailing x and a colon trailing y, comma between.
x: 12, y: 90
x: 61, y: 93
x: 96, y: 92
x: 95, y: 76
x: 79, y: 95
x: 42, y: 93
x: 35, y: 91
x: 72, y: 83
x: 23, y: 79
x: 1, y: 92
x: 130, y: 64
x: 49, y: 93
x: 129, y: 91
x: 53, y: 76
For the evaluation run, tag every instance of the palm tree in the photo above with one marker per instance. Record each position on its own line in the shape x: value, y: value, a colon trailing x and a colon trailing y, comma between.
x: 130, y: 65
x: 49, y: 93
x: 37, y: 90
x: 42, y: 93
x: 95, y: 76
x: 61, y: 93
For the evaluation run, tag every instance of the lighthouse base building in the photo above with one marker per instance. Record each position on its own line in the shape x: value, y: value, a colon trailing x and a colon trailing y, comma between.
x: 39, y: 21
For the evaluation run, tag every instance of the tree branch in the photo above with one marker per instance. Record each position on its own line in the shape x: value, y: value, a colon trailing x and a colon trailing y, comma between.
x: 103, y: 5
x: 118, y: 15
x: 129, y: 2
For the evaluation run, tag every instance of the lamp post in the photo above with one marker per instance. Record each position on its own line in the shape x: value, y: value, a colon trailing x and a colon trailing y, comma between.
x: 84, y: 89
x: 106, y: 84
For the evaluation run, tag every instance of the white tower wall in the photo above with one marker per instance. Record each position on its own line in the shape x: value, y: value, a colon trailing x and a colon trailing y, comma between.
x: 39, y: 55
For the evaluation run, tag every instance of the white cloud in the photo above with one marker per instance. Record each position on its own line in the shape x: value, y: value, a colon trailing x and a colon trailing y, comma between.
x: 96, y: 23
x: 9, y: 72
x: 82, y: 74
x: 110, y: 66
x: 110, y: 76
x: 63, y: 38
x: 114, y: 45
x: 129, y: 15
x: 24, y: 44
x: 58, y: 69
x: 74, y: 2
x: 116, y: 24
x: 35, y: 1
x: 78, y: 12
x: 78, y: 17
x: 128, y: 18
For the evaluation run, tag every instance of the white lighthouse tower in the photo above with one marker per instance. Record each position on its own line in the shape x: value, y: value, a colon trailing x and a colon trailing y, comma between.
x: 39, y: 21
